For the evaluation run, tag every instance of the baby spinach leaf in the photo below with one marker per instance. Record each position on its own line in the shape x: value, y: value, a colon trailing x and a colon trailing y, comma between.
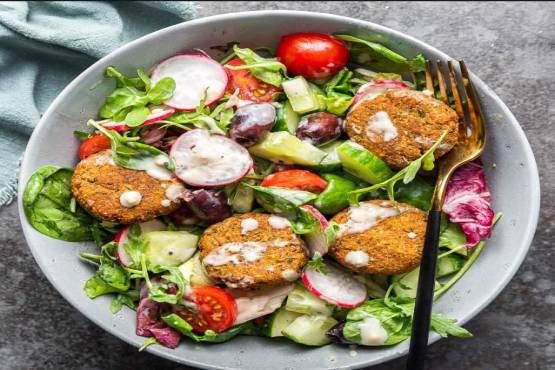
x: 47, y: 205
x: 136, y: 116
x: 95, y: 287
x: 377, y: 57
x: 162, y: 91
x: 114, y: 275
x: 128, y: 299
x: 269, y: 70
x: 186, y: 329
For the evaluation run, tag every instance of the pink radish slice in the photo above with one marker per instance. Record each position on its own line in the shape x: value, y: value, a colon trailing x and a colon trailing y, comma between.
x: 335, y: 287
x: 202, y: 159
x: 194, y: 75
x: 121, y: 238
x: 372, y: 89
x: 157, y: 113
x: 317, y: 240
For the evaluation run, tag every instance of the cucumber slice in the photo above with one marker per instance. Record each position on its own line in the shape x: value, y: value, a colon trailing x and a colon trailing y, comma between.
x: 193, y: 272
x: 310, y: 330
x: 279, y: 321
x: 405, y: 285
x: 302, y: 301
x: 170, y: 248
x: 449, y: 265
x: 331, y: 161
x: 300, y: 94
x: 285, y: 148
x: 361, y: 163
x: 287, y: 119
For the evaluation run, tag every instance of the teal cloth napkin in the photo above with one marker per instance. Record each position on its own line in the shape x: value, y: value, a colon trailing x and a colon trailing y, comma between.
x: 44, y: 45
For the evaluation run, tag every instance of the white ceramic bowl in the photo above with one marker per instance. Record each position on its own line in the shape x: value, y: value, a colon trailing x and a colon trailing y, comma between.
x: 514, y: 184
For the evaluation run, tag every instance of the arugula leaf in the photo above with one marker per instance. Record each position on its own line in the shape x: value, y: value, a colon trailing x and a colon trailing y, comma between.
x: 158, y: 291
x: 217, y: 121
x: 268, y: 70
x: 148, y: 342
x: 407, y: 174
x: 129, y: 299
x: 186, y: 329
x: 95, y: 287
x: 129, y: 100
x: 47, y: 206
x: 81, y: 135
x: 445, y: 327
x: 378, y: 57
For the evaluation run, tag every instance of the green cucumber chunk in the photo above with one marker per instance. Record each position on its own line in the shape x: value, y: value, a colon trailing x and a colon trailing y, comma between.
x: 193, y: 272
x: 302, y: 301
x: 310, y: 330
x: 285, y: 148
x: 287, y: 119
x: 301, y: 95
x: 405, y: 285
x: 331, y: 161
x: 279, y: 321
x: 335, y: 197
x: 361, y: 163
x: 170, y: 248
x: 449, y: 264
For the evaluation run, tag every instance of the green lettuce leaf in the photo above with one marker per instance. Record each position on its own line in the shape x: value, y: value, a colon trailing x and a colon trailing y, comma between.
x: 269, y: 70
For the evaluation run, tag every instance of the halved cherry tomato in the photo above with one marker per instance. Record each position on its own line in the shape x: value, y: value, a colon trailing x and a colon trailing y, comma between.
x: 250, y: 87
x: 94, y: 144
x: 216, y: 309
x: 312, y: 55
x: 296, y: 179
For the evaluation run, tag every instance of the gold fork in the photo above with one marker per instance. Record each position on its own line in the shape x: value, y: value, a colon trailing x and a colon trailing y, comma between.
x: 472, y: 139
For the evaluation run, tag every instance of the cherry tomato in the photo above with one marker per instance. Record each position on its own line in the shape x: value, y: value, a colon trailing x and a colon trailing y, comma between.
x: 250, y: 87
x: 216, y: 309
x: 92, y: 145
x: 312, y: 55
x: 296, y: 179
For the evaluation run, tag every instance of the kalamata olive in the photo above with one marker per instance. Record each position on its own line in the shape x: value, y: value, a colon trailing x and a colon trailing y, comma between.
x: 209, y: 205
x: 319, y: 128
x: 252, y: 122
x: 184, y: 216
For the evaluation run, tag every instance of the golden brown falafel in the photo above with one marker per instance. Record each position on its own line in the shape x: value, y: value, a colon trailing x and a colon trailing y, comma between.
x: 391, y: 246
x: 98, y: 183
x: 418, y: 121
x: 252, y: 251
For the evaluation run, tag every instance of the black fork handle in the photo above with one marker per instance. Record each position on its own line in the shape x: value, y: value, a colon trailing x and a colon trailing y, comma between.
x: 425, y: 295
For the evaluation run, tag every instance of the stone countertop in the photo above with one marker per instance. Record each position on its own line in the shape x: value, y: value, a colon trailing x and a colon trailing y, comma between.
x: 511, y: 46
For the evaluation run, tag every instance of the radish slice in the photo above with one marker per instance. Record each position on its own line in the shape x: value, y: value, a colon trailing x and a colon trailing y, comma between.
x: 202, y: 159
x: 335, y: 286
x: 121, y: 238
x: 158, y: 112
x: 317, y: 240
x: 372, y: 89
x: 194, y: 75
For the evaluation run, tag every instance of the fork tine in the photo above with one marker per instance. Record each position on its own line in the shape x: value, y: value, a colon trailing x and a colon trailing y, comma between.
x: 429, y: 81
x: 457, y: 98
x: 475, y: 111
x: 441, y: 81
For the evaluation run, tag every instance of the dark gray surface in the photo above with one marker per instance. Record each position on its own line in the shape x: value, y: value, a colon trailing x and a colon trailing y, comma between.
x: 511, y: 47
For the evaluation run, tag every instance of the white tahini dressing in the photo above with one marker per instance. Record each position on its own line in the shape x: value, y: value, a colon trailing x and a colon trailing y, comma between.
x: 365, y: 216
x: 380, y: 124
x: 372, y: 332
x: 155, y: 167
x: 277, y: 222
x: 236, y: 253
x: 105, y: 159
x: 165, y: 202
x: 130, y: 199
x: 248, y: 225
x: 290, y: 275
x: 174, y: 191
x: 411, y: 235
x: 251, y: 305
x: 357, y: 258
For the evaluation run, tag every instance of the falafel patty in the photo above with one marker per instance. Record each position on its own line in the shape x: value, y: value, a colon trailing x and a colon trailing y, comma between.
x: 380, y: 237
x: 98, y: 183
x: 253, y: 251
x: 401, y: 124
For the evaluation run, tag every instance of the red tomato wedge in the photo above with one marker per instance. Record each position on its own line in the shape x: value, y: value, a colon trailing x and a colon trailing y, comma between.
x: 312, y: 55
x: 296, y: 179
x: 92, y: 145
x: 216, y: 310
x: 250, y: 87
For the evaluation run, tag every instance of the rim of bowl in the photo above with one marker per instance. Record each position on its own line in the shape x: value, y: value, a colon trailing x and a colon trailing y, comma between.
x: 529, y: 227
